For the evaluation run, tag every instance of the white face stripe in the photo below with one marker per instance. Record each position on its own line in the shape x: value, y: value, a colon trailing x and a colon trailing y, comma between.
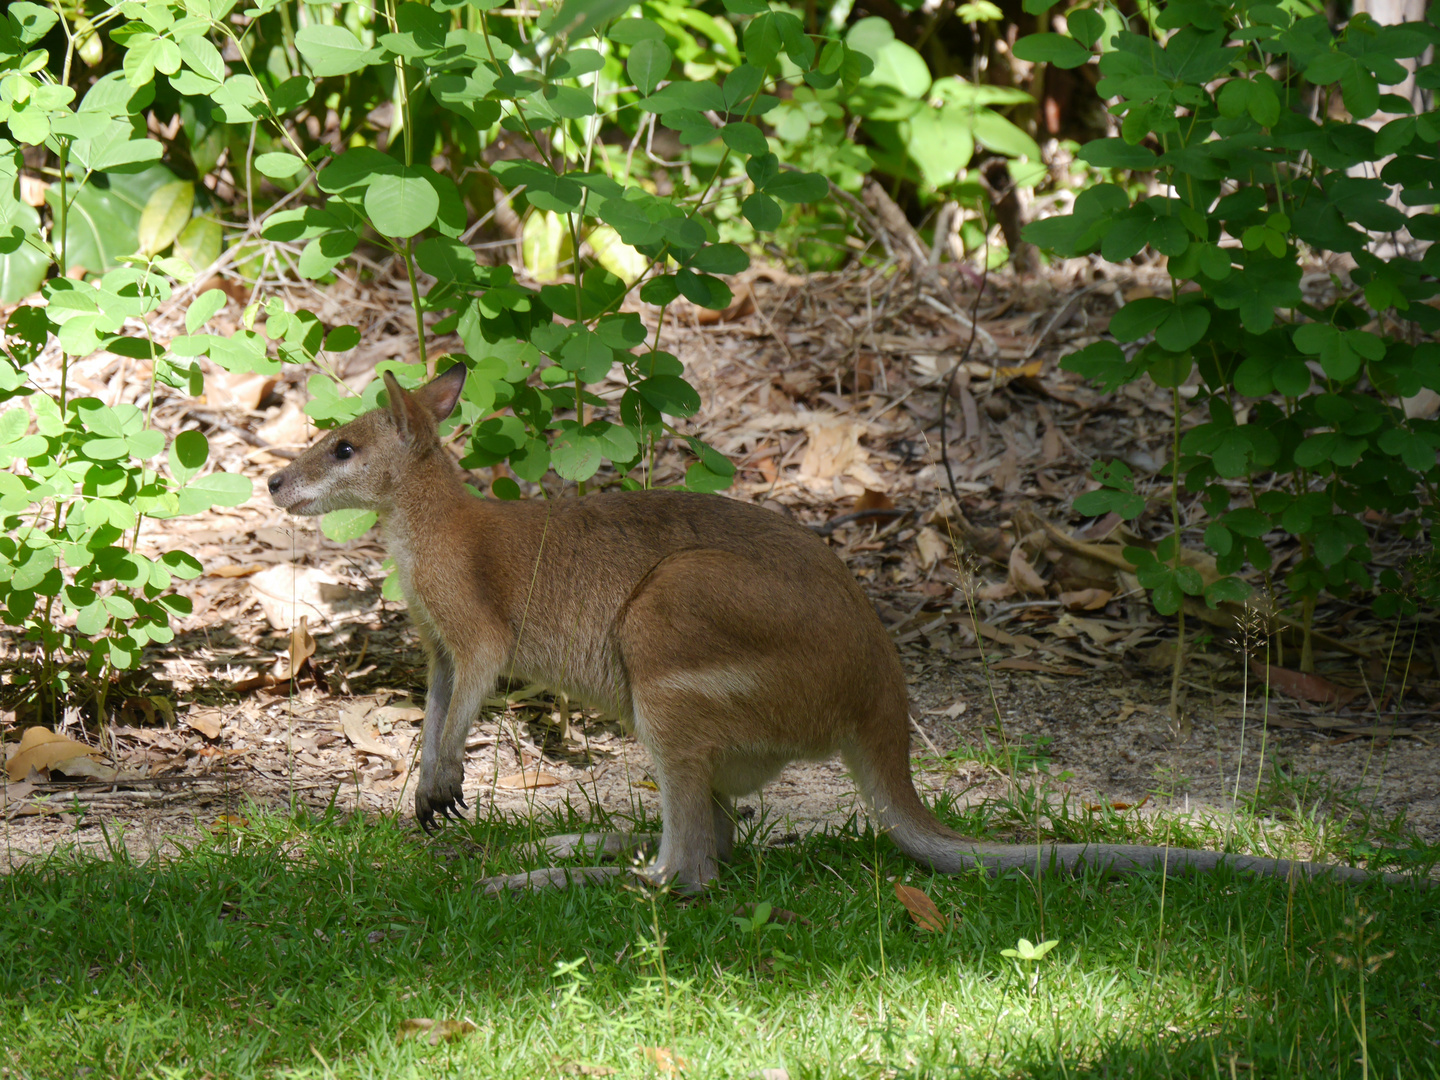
x: 312, y: 494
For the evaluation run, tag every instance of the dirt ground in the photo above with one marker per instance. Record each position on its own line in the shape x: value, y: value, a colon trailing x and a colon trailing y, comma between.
x: 827, y: 392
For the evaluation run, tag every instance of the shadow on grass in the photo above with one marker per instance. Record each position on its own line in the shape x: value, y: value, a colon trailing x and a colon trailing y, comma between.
x: 299, y: 945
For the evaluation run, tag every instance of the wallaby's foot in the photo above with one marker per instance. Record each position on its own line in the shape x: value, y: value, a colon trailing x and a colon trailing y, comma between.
x: 439, y: 794
x: 657, y: 877
x: 599, y: 845
x: 555, y: 877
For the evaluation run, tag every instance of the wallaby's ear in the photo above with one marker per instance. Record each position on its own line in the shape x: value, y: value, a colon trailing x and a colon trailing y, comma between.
x: 410, y: 416
x: 441, y: 394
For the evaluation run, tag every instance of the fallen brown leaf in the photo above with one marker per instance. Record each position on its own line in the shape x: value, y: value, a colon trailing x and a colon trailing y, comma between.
x: 302, y: 644
x: 922, y: 909
x: 666, y: 1061
x: 225, y: 822
x: 40, y: 748
x: 1118, y: 807
x: 15, y: 793
x: 997, y: 590
x: 528, y: 780
x: 1022, y: 574
x: 872, y: 500
x: 1305, y: 687
x: 206, y: 723
x: 931, y: 547
x: 1086, y: 599
x: 77, y: 767
x: 256, y: 682
x: 362, y: 734
x: 235, y: 570
x: 239, y: 389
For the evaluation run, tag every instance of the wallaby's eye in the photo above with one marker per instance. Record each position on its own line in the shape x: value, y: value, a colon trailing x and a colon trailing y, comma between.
x: 344, y: 451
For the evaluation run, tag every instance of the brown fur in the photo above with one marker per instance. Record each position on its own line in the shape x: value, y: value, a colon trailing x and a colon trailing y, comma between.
x: 732, y: 641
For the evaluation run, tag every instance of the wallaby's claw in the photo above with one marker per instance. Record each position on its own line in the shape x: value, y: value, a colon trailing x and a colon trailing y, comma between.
x: 438, y: 797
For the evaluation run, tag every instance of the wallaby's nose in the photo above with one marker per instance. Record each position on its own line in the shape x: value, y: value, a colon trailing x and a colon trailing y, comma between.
x: 276, y: 482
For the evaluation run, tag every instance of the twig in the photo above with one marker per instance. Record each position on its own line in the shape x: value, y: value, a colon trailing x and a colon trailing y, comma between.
x: 950, y: 379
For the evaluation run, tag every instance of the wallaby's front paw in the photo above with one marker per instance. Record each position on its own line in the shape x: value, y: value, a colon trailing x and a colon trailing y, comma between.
x: 440, y: 794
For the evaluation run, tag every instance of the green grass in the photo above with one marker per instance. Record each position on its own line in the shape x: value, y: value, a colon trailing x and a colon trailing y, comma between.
x: 299, y: 946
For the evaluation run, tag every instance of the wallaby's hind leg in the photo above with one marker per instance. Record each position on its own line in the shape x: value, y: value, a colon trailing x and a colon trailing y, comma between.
x: 688, y: 848
x: 604, y: 845
x: 555, y: 877
x: 599, y: 845
x: 722, y: 813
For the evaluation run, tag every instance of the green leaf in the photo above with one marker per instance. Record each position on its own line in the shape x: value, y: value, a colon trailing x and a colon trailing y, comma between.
x: 343, y: 525
x: 216, y: 489
x: 31, y: 21
x: 1139, y: 317
x: 1085, y: 25
x: 670, y: 394
x: 103, y: 219
x: 1117, y: 154
x: 145, y: 444
x: 575, y: 456
x: 199, y: 242
x: 333, y: 50
x: 1095, y: 503
x: 568, y: 102
x: 1183, y: 327
x: 1228, y: 590
x: 203, y: 58
x: 798, y: 187
x: 587, y: 356
x: 703, y: 290
x: 279, y: 166
x: 23, y: 269
x: 531, y: 461
x: 762, y: 212
x: 204, y: 308
x: 188, y: 454
x: 634, y: 31
x: 660, y: 290
x: 744, y: 138
x: 700, y: 477
x: 1056, y: 49
x: 720, y: 259
x: 698, y: 96
x: 342, y: 339
x: 165, y: 214
x: 401, y: 206
x: 648, y: 63
x: 901, y: 68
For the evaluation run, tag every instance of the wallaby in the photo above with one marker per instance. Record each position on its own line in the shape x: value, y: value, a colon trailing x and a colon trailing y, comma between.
x: 728, y: 638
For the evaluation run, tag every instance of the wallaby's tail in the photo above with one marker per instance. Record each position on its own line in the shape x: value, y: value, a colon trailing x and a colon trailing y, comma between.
x: 885, y: 781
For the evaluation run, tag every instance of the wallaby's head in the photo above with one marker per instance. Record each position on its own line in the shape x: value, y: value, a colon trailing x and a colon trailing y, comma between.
x: 362, y: 465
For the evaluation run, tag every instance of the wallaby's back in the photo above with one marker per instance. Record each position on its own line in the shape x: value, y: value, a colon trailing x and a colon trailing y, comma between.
x: 565, y: 576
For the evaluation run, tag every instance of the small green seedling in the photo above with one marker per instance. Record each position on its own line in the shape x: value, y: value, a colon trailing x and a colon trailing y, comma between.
x: 1025, y: 952
x: 756, y: 925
